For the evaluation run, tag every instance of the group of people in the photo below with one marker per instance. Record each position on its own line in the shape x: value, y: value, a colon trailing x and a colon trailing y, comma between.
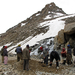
x: 21, y: 55
x: 53, y: 55
x: 25, y: 55
x: 65, y: 54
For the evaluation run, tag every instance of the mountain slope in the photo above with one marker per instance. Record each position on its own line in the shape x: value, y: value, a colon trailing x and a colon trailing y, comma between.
x: 30, y: 26
x: 41, y: 25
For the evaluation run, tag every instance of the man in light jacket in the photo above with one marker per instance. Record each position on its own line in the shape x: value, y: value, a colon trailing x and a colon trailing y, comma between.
x: 46, y: 54
x: 26, y: 58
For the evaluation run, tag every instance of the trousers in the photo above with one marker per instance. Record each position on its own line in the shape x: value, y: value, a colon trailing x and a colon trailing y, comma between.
x: 5, y: 60
x: 26, y: 64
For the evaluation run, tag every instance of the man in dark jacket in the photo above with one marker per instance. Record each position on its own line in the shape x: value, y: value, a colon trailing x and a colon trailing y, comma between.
x: 5, y: 54
x: 74, y: 55
x: 68, y: 55
x: 54, y: 55
x: 19, y: 52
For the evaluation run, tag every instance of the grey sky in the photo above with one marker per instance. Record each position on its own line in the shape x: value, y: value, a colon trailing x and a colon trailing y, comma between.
x: 14, y: 11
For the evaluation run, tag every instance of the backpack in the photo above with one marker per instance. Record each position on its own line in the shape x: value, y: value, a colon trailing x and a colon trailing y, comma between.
x: 46, y: 51
x: 2, y: 52
x: 18, y: 50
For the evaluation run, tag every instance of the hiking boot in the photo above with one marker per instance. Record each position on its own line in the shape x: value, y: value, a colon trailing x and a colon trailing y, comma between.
x: 49, y: 66
x: 46, y: 64
x: 74, y: 66
x: 66, y: 64
x: 57, y: 67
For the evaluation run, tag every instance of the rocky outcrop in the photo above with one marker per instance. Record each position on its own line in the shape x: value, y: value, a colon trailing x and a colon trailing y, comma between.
x: 67, y: 36
x: 69, y: 31
x: 70, y: 20
x: 59, y: 40
x: 61, y: 36
x: 69, y: 28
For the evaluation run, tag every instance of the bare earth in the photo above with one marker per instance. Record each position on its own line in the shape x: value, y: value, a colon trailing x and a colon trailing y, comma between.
x: 36, y: 68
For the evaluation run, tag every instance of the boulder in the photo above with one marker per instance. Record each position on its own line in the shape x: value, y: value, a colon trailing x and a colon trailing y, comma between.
x: 55, y: 43
x: 60, y: 37
x: 69, y: 28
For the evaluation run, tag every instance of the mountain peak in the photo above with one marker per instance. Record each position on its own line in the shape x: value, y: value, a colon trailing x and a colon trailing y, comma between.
x: 53, y: 8
x: 51, y: 4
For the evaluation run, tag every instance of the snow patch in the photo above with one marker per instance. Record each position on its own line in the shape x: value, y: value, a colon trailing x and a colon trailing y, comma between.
x: 53, y: 16
x: 37, y: 14
x: 22, y: 24
x: 47, y: 17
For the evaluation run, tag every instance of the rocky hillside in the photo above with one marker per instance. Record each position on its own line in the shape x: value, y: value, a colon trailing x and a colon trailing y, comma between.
x: 30, y: 26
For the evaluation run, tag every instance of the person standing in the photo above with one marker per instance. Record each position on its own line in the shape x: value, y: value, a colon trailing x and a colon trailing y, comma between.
x: 68, y: 55
x: 26, y: 58
x: 46, y: 54
x: 19, y: 52
x: 54, y: 55
x: 5, y: 54
x: 2, y: 54
x: 74, y: 55
x: 29, y: 48
x: 63, y: 54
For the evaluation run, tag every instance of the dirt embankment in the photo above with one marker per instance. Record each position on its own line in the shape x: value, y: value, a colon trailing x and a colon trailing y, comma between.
x: 36, y: 68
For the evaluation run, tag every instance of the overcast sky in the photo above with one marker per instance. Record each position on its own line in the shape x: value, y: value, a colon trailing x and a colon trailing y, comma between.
x: 14, y: 11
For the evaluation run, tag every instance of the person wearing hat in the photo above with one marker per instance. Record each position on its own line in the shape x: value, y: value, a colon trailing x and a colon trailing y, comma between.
x: 63, y: 54
x: 19, y: 52
x: 2, y: 54
x: 5, y: 54
x: 29, y: 48
x: 68, y: 55
x: 26, y: 58
x: 40, y: 49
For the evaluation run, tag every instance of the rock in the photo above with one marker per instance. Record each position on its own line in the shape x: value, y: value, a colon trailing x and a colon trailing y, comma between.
x: 69, y: 28
x: 0, y: 69
x: 60, y: 37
